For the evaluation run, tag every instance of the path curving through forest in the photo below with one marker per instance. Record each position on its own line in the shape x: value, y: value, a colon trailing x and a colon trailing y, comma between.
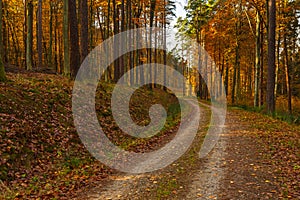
x: 232, y: 170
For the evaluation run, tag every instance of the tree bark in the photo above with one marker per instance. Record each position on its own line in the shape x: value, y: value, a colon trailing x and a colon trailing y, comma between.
x: 50, y: 51
x: 261, y: 81
x: 165, y: 44
x: 116, y: 43
x: 2, y: 69
x: 84, y: 38
x: 287, y: 76
x: 74, y: 39
x: 271, y: 58
x: 257, y: 61
x: 40, y: 35
x: 66, y: 39
x: 29, y: 38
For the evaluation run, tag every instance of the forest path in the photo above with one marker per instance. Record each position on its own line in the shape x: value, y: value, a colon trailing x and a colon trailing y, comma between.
x: 234, y: 169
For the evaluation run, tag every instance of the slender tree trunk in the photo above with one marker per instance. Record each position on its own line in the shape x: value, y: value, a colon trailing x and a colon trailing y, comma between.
x: 238, y: 85
x: 50, y: 51
x: 165, y: 44
x: 15, y: 43
x: 1, y: 29
x: 84, y: 38
x: 91, y: 25
x: 57, y: 63
x: 109, y: 71
x: 2, y: 69
x: 29, y: 38
x: 130, y: 42
x: 155, y: 51
x: 66, y: 39
x: 137, y: 40
x: 152, y: 13
x: 116, y: 43
x: 74, y: 39
x: 277, y: 66
x: 24, y: 32
x: 226, y: 78
x: 122, y: 42
x: 261, y: 81
x: 257, y: 61
x: 40, y: 35
x: 271, y: 58
x: 234, y: 80
x: 146, y: 73
x: 287, y: 76
x: 287, y: 66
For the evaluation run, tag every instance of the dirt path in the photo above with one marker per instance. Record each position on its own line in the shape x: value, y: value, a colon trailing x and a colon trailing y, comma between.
x: 233, y: 170
x: 132, y: 186
x: 247, y: 174
x: 205, y: 182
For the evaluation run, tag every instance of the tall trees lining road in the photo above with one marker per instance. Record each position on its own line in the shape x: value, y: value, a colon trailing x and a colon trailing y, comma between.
x: 62, y: 33
x: 255, y: 44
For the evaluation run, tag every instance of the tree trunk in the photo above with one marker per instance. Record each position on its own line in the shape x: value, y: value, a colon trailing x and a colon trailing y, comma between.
x: 261, y: 81
x: 29, y: 38
x: 66, y: 39
x: 2, y: 69
x: 84, y: 38
x: 226, y: 78
x: 287, y: 76
x: 257, y: 61
x: 91, y: 25
x: 165, y: 44
x: 1, y: 29
x: 130, y: 42
x: 40, y: 35
x: 50, y: 51
x: 108, y: 74
x: 152, y: 13
x: 122, y: 42
x: 271, y: 58
x: 277, y: 65
x: 74, y: 39
x: 24, y: 32
x: 234, y: 80
x: 116, y: 43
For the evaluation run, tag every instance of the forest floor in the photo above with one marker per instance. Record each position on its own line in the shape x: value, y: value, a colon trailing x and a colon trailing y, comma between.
x: 256, y: 157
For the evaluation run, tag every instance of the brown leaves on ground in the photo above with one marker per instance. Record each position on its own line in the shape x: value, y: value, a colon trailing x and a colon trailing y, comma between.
x: 41, y: 153
x: 268, y: 156
x: 281, y: 143
x: 42, y: 156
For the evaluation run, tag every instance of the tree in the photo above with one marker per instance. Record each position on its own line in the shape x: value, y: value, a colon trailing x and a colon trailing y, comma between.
x: 152, y: 13
x: 271, y: 58
x: 74, y: 39
x: 2, y: 69
x: 257, y: 60
x: 40, y: 35
x: 116, y: 43
x: 84, y: 38
x: 66, y: 38
x: 287, y: 63
x: 29, y: 38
